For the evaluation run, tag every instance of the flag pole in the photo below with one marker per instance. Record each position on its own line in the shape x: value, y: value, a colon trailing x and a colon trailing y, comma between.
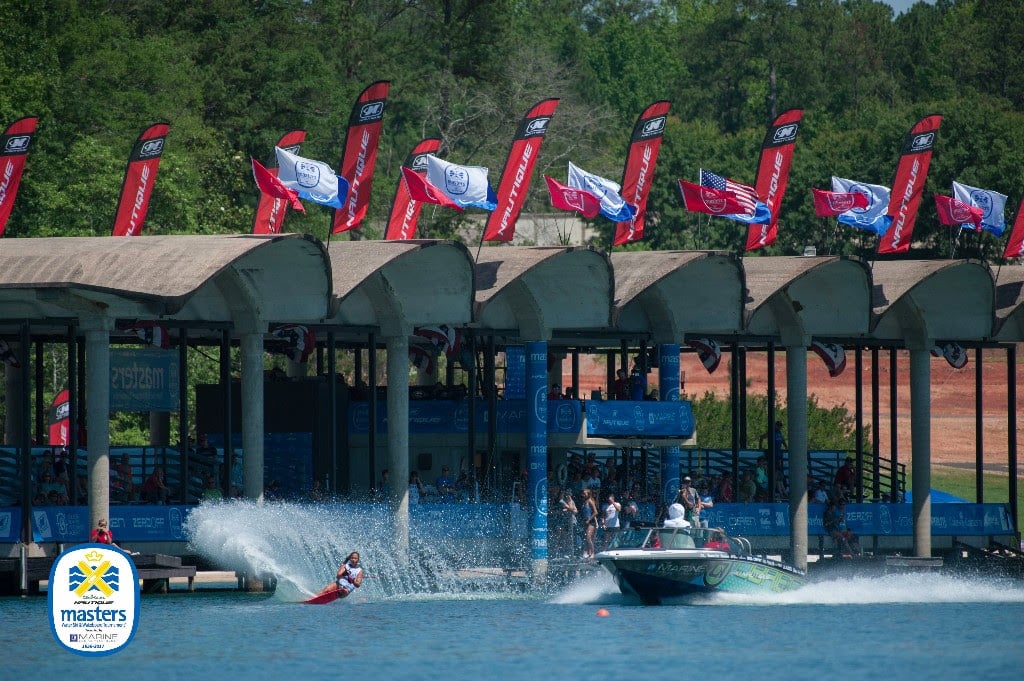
x: 480, y: 246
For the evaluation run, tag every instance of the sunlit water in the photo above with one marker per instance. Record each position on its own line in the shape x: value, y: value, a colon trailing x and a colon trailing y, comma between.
x: 421, y: 625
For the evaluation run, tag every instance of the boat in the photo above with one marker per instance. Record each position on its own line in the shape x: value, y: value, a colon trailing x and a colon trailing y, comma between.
x: 655, y: 563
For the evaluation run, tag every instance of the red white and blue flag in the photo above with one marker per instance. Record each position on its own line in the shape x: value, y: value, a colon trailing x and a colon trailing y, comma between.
x: 955, y: 212
x: 1015, y: 244
x: 709, y: 352
x: 613, y: 206
x: 831, y: 204
x: 273, y: 189
x: 991, y: 203
x: 271, y: 210
x: 953, y: 353
x: 873, y: 216
x: 564, y: 197
x: 405, y: 211
x: 833, y: 355
x: 754, y: 209
x: 699, y: 199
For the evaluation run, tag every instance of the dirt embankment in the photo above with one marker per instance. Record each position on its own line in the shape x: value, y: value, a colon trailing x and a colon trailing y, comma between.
x: 953, y: 423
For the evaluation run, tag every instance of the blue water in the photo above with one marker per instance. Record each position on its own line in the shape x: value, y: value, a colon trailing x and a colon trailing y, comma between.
x: 906, y: 626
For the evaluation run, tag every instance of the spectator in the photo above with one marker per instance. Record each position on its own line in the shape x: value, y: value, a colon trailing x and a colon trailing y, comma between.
x: 820, y: 493
x: 237, y: 476
x: 834, y: 520
x: 706, y: 501
x: 211, y: 491
x: 723, y: 492
x: 555, y: 393
x: 843, y: 481
x: 761, y: 479
x: 780, y: 441
x: 589, y: 523
x: 384, y: 486
x: 620, y: 388
x: 570, y: 393
x: 122, y: 480
x: 416, y: 489
x: 102, y: 535
x: 154, y: 490
x: 567, y: 526
x: 444, y: 484
x: 610, y: 520
x: 48, y: 484
x: 691, y: 501
x: 630, y: 510
x: 748, y: 488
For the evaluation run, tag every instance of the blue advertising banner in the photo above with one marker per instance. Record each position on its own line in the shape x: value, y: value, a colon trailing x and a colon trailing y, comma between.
x: 452, y: 416
x: 864, y: 519
x: 515, y: 372
x: 643, y: 419
x: 143, y: 379
x: 668, y: 386
x: 537, y: 445
x: 128, y: 523
x: 10, y: 525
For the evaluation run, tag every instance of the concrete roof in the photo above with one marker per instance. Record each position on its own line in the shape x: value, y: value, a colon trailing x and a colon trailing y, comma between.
x: 799, y: 297
x: 535, y: 290
x: 182, y: 277
x: 671, y: 293
x: 921, y: 301
x: 1009, y: 316
x: 395, y: 285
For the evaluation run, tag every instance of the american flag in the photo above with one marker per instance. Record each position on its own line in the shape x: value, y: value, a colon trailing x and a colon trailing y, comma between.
x: 744, y: 193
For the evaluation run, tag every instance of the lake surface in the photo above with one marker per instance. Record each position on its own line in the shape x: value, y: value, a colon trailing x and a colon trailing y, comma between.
x: 897, y: 626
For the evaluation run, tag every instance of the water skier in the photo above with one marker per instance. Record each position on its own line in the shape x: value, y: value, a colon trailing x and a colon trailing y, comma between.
x: 349, y: 577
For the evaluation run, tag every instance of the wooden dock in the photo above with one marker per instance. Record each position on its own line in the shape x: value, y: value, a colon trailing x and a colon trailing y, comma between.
x: 155, y: 570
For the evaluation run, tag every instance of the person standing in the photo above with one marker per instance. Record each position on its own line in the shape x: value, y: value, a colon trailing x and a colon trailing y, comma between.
x: 610, y: 523
x: 691, y: 501
x: 589, y: 523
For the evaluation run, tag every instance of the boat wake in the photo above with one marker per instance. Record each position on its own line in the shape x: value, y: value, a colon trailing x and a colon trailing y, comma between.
x: 302, y: 545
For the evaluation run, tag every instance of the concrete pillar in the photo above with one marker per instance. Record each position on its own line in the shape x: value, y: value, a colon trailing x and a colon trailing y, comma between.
x: 398, y: 441
x: 668, y: 391
x: 796, y: 410
x: 251, y: 347
x: 920, y: 449
x: 97, y: 421
x: 536, y: 492
x: 15, y: 415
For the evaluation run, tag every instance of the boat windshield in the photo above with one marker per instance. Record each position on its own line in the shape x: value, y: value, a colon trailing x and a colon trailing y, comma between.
x: 675, y: 538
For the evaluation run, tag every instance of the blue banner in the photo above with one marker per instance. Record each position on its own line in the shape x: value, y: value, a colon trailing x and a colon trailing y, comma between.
x: 452, y: 416
x: 10, y: 525
x: 864, y: 519
x: 668, y: 386
x: 639, y: 419
x: 537, y: 445
x: 515, y: 372
x: 143, y: 379
x: 128, y: 523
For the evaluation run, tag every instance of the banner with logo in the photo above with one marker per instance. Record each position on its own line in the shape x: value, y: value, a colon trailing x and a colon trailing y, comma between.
x: 139, y: 177
x: 773, y: 175
x: 360, y: 156
x: 623, y: 418
x: 638, y: 173
x: 60, y: 419
x: 908, y: 187
x: 515, y: 178
x: 405, y: 212
x: 14, y: 144
x: 270, y: 211
x: 143, y: 379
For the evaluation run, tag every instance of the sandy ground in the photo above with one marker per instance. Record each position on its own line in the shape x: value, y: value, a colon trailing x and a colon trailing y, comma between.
x: 952, y: 394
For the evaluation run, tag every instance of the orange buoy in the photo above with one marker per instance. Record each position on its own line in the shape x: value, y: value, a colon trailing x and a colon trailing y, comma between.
x: 602, y: 612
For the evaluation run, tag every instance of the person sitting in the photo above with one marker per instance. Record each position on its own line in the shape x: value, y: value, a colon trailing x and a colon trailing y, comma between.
x: 211, y: 491
x: 676, y: 516
x: 416, y: 489
x: 445, y: 486
x: 834, y: 520
x: 717, y: 541
x: 102, y: 535
x: 748, y: 488
x: 154, y: 490
x: 620, y: 388
x: 555, y: 393
x: 820, y: 493
x: 348, y: 578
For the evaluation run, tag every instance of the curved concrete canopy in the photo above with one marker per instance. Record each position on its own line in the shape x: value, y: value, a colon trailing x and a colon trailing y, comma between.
x: 798, y: 297
x: 395, y: 285
x: 669, y: 294
x: 921, y: 301
x: 538, y: 289
x: 1009, y: 317
x: 183, y: 277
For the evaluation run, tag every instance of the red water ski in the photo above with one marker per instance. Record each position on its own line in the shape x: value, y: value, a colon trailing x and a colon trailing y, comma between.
x: 323, y: 599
